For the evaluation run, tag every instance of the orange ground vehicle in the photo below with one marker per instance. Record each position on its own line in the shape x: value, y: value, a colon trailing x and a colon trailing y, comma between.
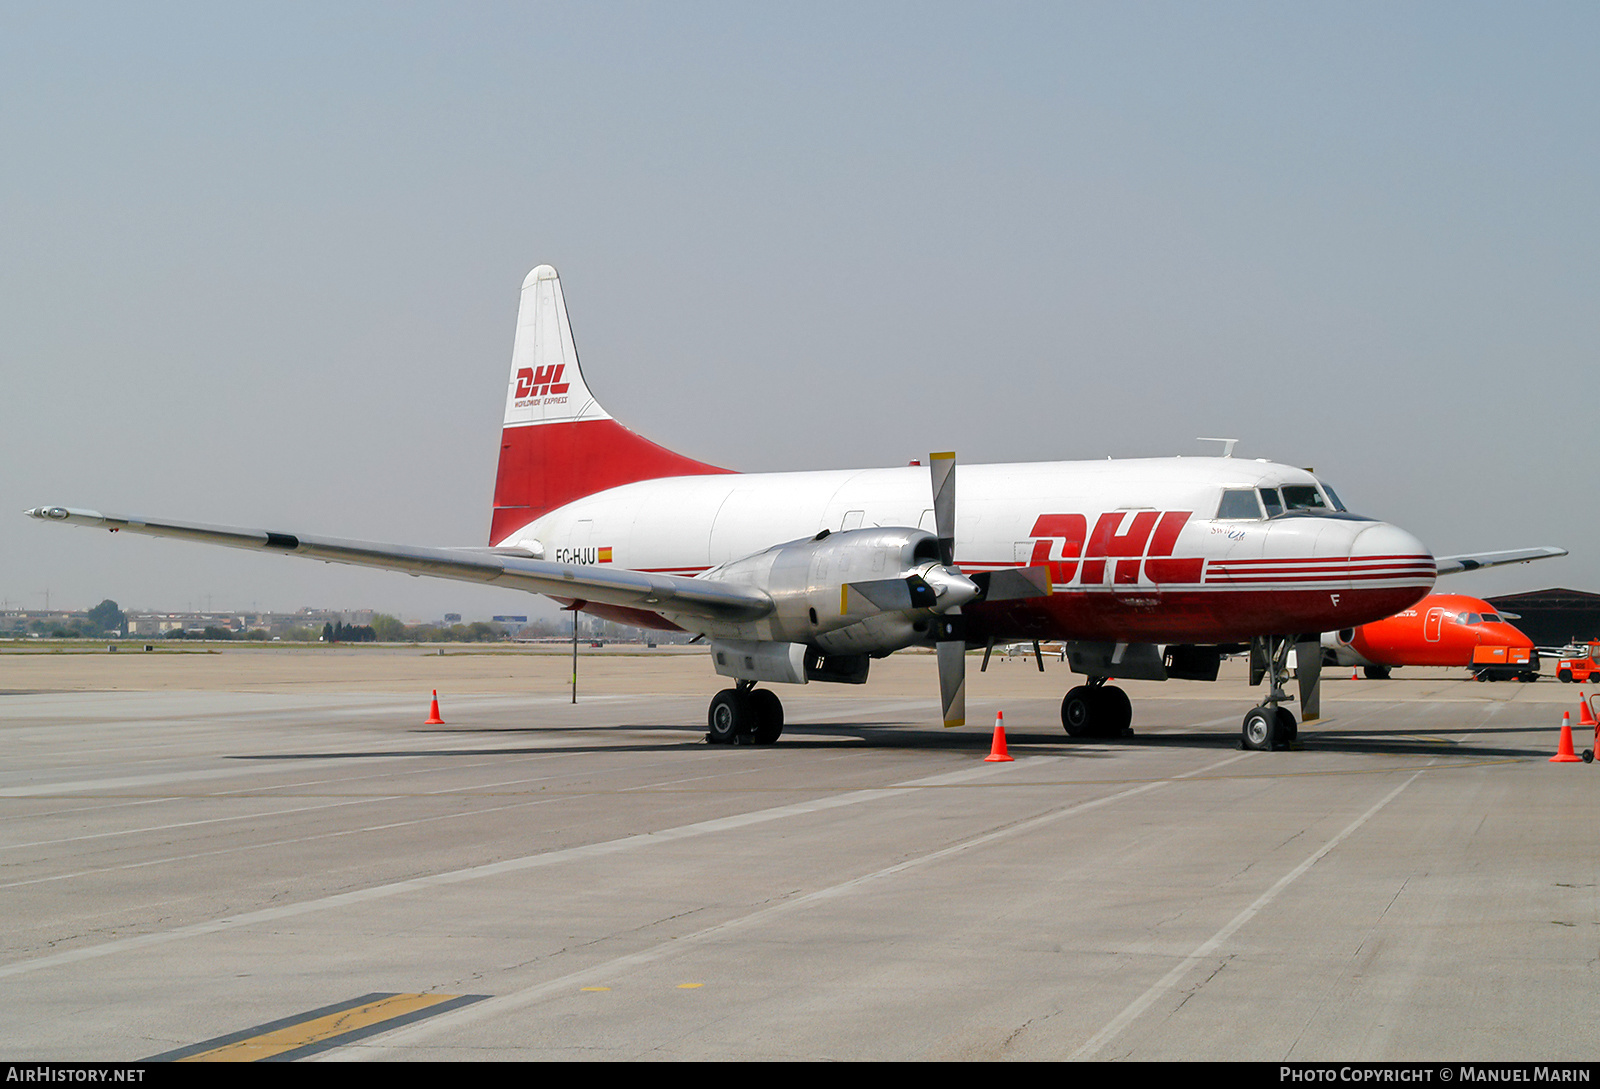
x: 1584, y: 670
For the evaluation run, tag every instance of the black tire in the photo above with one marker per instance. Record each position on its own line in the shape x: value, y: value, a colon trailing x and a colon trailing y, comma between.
x: 1115, y: 712
x: 1259, y: 730
x: 1564, y: 676
x: 1288, y: 729
x: 1078, y: 709
x: 766, y: 711
x: 1588, y: 756
x: 728, y: 717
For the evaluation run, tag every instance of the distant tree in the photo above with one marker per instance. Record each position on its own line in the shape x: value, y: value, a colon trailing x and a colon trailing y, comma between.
x: 327, y: 633
x: 214, y: 632
x: 388, y: 629
x: 106, y: 617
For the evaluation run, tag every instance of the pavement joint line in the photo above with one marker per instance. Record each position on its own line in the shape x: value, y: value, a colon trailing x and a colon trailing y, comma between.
x: 1433, y: 765
x: 548, y: 858
x: 611, y: 969
x: 472, y: 873
x: 1118, y: 1024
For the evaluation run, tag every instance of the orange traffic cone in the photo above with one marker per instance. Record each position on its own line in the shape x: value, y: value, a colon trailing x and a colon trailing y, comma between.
x: 1585, y: 712
x: 997, y: 750
x: 435, y: 720
x: 1353, y: 675
x: 1564, y: 753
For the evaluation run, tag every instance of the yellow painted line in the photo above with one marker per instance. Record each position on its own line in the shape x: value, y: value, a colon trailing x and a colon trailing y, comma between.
x: 318, y: 1029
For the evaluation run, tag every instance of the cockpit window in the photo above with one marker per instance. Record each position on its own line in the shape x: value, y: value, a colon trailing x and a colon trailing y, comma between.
x: 1303, y: 497
x: 1492, y: 618
x: 1239, y: 503
x: 1469, y: 618
x: 1270, y: 500
x: 1333, y: 497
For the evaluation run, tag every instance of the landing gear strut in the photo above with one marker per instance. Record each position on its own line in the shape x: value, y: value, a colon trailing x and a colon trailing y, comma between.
x: 1271, y: 726
x: 744, y: 715
x: 1097, y: 709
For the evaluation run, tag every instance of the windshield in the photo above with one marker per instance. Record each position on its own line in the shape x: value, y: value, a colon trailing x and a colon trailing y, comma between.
x: 1303, y: 497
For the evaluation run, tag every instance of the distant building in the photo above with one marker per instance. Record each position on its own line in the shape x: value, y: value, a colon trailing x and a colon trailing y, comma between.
x: 1554, y: 617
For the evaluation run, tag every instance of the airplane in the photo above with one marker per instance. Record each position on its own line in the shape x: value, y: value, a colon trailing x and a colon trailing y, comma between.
x: 1147, y: 569
x: 1439, y: 630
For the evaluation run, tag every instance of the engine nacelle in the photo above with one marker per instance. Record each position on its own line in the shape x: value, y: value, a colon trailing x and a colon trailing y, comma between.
x: 806, y: 581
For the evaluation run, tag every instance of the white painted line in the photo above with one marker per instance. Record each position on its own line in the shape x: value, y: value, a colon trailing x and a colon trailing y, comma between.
x: 1138, y: 1006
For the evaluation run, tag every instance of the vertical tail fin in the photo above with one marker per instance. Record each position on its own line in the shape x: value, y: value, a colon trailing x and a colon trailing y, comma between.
x: 559, y: 444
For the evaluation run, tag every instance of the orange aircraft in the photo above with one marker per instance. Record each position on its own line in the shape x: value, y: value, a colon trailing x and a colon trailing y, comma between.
x: 1439, y: 630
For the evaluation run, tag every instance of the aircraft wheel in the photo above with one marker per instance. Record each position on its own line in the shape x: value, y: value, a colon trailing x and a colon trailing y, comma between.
x: 1260, y: 726
x: 767, y: 711
x: 1115, y: 712
x: 1288, y: 729
x: 1078, y: 711
x: 1375, y: 673
x: 729, y: 717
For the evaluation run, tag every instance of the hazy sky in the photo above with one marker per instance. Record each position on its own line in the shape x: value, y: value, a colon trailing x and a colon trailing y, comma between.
x: 261, y: 265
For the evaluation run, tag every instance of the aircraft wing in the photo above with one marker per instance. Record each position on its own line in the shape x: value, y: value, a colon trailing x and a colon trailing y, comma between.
x: 1449, y: 565
x: 509, y: 567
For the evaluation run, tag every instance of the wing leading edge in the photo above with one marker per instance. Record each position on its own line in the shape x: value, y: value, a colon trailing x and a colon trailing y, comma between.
x: 514, y: 568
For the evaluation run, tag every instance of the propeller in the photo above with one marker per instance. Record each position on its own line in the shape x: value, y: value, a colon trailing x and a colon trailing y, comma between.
x: 942, y: 589
x: 950, y: 631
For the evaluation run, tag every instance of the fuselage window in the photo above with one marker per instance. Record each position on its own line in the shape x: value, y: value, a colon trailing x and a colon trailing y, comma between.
x: 1270, y: 500
x: 1239, y: 503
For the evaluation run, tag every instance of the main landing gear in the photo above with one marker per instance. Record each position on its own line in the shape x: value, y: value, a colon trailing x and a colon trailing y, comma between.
x: 745, y: 715
x: 1097, y: 709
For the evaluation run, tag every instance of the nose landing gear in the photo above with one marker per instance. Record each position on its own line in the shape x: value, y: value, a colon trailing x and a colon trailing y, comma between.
x: 1271, y: 726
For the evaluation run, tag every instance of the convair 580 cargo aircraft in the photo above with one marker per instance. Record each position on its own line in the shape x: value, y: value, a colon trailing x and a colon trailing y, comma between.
x: 1148, y: 569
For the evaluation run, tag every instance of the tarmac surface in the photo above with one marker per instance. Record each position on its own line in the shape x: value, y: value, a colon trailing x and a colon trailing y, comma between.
x: 265, y: 853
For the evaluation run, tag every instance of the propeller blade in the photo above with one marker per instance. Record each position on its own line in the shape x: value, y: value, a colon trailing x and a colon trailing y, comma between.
x: 886, y: 595
x: 953, y: 681
x: 943, y: 467
x: 1012, y: 583
x: 1308, y: 668
x: 951, y: 647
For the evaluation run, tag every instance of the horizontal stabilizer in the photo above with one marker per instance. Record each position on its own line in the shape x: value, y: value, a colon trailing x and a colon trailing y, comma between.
x: 1449, y: 565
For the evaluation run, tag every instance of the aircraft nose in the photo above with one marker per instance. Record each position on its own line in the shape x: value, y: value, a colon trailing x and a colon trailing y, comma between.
x: 1386, y: 554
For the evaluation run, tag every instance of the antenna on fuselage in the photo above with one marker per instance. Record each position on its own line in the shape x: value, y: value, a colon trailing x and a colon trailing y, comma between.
x: 1227, y: 444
